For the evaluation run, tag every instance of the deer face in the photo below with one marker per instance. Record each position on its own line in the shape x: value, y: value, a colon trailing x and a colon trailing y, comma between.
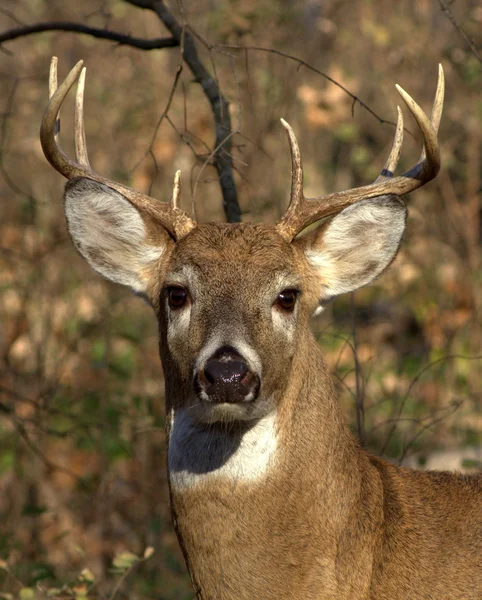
x: 230, y: 308
x: 233, y: 301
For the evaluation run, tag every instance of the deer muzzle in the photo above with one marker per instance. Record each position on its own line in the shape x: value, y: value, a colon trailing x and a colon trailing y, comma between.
x: 226, y: 377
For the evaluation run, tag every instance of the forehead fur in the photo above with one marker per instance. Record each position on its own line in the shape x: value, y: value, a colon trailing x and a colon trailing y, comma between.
x: 254, y: 244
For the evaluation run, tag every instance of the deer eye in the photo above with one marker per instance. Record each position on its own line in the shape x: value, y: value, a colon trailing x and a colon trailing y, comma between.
x: 177, y: 296
x: 286, y: 300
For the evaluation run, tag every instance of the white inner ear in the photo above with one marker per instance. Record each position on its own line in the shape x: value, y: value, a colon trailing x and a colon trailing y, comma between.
x: 109, y: 233
x: 357, y: 245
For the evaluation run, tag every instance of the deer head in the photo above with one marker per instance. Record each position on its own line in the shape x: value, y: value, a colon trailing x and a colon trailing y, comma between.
x: 234, y: 300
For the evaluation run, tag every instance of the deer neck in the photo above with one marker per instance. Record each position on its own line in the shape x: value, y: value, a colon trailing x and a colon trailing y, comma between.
x: 259, y: 498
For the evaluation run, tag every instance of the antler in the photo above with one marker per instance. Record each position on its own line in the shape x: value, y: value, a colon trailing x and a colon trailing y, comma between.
x: 169, y: 215
x: 303, y: 211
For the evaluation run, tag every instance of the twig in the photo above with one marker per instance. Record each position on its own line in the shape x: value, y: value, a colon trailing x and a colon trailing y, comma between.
x: 412, y: 384
x: 219, y: 106
x: 166, y: 109
x: 10, y: 15
x: 450, y: 411
x: 49, y: 464
x: 463, y: 35
x: 302, y: 63
x: 121, y: 580
x: 3, y: 139
x: 128, y: 571
x: 106, y: 34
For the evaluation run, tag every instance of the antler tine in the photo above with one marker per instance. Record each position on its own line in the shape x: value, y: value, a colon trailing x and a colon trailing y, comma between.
x: 394, y: 156
x: 169, y: 215
x: 49, y: 128
x: 53, y: 89
x: 437, y: 107
x: 438, y: 103
x: 176, y: 190
x: 80, y: 144
x: 296, y: 165
x: 53, y: 76
x: 429, y: 163
x: 310, y: 210
x: 297, y: 197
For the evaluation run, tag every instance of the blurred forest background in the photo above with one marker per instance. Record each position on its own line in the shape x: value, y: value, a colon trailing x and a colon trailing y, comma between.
x: 83, y: 495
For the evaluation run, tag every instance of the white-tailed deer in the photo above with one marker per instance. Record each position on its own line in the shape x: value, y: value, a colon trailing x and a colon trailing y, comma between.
x: 272, y: 497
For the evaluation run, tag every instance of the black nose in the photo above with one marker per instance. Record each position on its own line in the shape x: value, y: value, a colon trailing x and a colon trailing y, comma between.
x: 225, y: 371
x: 226, y: 377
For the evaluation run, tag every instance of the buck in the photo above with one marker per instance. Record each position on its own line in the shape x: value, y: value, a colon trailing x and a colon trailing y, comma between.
x: 272, y: 497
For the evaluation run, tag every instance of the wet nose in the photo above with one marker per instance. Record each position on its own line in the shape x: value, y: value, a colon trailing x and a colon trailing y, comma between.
x: 227, y: 377
x: 225, y: 372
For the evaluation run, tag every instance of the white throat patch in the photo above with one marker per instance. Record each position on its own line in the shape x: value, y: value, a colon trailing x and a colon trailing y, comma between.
x: 202, y: 455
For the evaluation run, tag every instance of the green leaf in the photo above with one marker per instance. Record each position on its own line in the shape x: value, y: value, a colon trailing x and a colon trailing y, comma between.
x: 125, y: 560
x: 86, y: 575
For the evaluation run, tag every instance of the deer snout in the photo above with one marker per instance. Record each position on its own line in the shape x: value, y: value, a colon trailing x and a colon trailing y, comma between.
x: 227, y: 377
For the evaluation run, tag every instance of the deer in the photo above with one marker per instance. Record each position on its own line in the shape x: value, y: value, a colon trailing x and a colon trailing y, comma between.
x: 272, y: 496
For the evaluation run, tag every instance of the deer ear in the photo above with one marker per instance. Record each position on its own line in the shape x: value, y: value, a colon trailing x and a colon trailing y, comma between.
x: 356, y: 246
x: 112, y: 235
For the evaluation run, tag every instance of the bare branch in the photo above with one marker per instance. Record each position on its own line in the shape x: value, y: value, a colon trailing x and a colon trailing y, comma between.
x: 22, y: 431
x: 463, y: 35
x: 219, y: 106
x: 149, y: 151
x: 302, y: 63
x: 3, y: 137
x: 120, y: 38
x: 10, y: 15
x: 427, y: 367
x: 447, y: 411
